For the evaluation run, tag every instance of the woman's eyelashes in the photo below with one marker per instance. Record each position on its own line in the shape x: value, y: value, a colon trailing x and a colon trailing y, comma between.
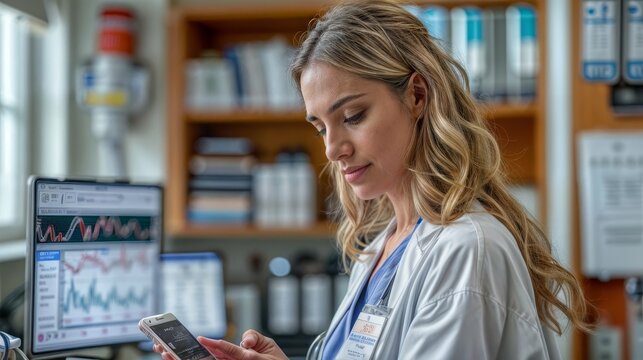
x: 351, y: 120
x: 355, y: 119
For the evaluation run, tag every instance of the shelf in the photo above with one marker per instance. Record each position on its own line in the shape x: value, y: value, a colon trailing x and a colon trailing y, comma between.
x: 319, y: 230
x: 196, y: 28
x: 245, y: 116
x: 491, y: 111
x: 509, y: 111
x: 479, y: 3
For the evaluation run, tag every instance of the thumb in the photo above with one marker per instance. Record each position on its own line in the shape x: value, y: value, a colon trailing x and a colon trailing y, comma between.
x: 250, y: 339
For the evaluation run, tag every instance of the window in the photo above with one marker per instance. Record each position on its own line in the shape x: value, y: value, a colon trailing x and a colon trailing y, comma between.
x: 14, y: 83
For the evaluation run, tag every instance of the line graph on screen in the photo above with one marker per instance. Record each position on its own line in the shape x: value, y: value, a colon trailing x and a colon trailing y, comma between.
x: 104, y: 285
x: 94, y: 228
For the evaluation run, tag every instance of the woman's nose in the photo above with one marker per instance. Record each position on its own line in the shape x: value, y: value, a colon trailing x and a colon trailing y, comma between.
x: 338, y: 145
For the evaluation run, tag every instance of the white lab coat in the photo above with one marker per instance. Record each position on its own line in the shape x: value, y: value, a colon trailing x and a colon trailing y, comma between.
x: 462, y: 291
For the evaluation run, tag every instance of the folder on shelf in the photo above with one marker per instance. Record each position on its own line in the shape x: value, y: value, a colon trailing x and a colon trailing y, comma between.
x: 255, y: 92
x: 275, y: 57
x: 522, y: 52
x: 493, y: 86
x: 436, y: 21
x: 633, y: 42
x: 232, y: 56
x: 467, y: 43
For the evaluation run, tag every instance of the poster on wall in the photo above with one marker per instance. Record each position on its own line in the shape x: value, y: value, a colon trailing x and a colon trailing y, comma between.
x: 610, y: 177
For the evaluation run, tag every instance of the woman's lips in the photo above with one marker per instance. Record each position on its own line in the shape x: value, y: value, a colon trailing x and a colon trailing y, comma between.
x: 354, y: 174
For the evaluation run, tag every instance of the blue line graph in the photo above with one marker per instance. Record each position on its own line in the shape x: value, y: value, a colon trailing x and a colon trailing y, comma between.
x: 104, y: 301
x: 107, y: 285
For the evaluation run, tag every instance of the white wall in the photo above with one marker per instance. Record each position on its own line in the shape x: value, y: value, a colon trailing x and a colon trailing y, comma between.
x: 145, y: 143
x: 559, y: 138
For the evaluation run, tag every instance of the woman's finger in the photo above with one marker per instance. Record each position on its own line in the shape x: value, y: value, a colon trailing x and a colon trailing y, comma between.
x: 167, y: 356
x: 221, y: 347
x: 249, y: 339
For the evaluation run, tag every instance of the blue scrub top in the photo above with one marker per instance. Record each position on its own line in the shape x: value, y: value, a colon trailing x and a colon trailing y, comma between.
x: 370, y: 294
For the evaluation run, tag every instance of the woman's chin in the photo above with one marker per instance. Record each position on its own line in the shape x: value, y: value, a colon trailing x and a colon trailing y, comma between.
x: 364, y: 194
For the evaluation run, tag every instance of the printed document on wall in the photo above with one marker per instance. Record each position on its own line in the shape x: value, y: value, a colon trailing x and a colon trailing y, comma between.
x: 611, y: 203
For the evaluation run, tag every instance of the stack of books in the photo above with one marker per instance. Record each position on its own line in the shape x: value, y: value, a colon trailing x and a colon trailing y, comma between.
x: 251, y: 75
x: 221, y: 181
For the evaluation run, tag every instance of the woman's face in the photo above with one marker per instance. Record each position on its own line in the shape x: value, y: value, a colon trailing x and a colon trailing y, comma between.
x: 365, y: 127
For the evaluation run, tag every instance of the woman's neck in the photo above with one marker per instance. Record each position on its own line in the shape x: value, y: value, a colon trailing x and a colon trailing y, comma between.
x: 405, y: 214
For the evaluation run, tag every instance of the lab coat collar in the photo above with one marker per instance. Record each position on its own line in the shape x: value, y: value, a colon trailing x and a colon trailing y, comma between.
x: 360, y: 274
x: 418, y: 245
x: 421, y: 241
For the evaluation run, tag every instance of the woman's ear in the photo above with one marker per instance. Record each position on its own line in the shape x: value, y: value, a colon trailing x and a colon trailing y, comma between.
x: 417, y: 94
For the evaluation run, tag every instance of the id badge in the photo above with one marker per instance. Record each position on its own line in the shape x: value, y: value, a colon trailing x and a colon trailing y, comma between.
x: 365, y: 333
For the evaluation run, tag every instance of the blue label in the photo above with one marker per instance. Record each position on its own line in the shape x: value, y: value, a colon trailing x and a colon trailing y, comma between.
x: 635, y: 70
x: 599, y: 71
x: 527, y: 23
x: 48, y: 255
x: 89, y: 79
x: 474, y: 25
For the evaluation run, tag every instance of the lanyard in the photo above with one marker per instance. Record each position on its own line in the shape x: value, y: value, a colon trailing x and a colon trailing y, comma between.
x: 383, y: 301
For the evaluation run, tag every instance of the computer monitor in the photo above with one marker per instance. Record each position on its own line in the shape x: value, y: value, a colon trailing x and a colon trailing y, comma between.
x: 92, y: 263
x: 193, y: 290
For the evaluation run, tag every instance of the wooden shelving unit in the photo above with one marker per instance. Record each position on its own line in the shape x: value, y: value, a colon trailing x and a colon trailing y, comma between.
x: 192, y: 29
x: 320, y: 229
x: 592, y: 111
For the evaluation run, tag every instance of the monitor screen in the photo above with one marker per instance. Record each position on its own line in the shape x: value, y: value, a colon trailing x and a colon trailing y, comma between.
x: 193, y: 291
x: 92, y: 263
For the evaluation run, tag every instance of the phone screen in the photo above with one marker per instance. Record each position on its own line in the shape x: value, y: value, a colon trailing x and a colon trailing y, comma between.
x: 179, y: 339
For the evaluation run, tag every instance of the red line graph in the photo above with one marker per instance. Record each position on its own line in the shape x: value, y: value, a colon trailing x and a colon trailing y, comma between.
x: 97, y: 260
x: 106, y: 226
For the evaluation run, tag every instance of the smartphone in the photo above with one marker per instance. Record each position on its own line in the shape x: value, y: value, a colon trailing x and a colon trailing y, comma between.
x: 167, y: 330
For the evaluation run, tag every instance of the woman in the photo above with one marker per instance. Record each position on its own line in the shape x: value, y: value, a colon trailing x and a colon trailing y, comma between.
x: 432, y: 235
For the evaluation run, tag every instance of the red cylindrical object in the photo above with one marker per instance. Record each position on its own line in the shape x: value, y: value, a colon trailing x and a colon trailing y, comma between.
x: 116, y: 34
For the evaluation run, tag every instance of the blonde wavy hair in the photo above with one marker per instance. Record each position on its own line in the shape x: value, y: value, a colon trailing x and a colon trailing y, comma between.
x: 453, y: 159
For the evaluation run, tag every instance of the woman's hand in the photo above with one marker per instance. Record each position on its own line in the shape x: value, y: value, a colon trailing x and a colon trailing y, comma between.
x: 254, y: 346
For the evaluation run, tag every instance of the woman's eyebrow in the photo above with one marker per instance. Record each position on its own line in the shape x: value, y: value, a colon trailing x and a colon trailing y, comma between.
x: 336, y: 105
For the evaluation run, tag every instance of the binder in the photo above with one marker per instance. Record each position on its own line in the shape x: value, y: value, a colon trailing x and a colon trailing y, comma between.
x: 253, y: 80
x: 600, y: 41
x: 494, y: 83
x: 275, y: 57
x: 413, y: 9
x: 467, y: 43
x: 436, y: 21
x: 522, y: 52
x: 633, y: 41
